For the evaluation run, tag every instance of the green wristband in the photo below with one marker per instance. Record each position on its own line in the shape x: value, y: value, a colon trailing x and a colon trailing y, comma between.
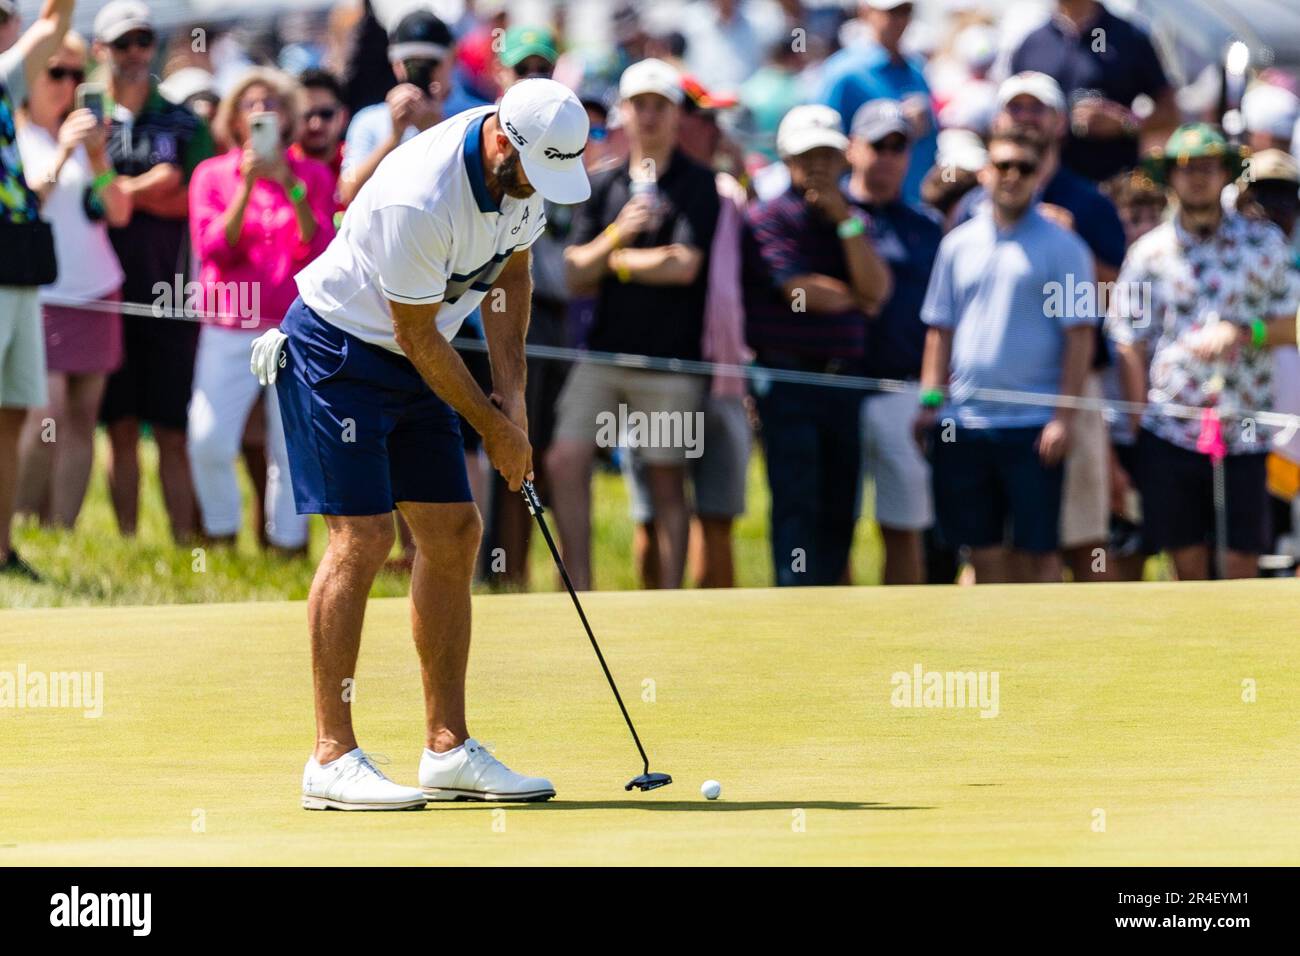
x: 931, y: 398
x: 100, y: 182
x: 298, y: 191
x: 853, y: 226
x: 1258, y: 333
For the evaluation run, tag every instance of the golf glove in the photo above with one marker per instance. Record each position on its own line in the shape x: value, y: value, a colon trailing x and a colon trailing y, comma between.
x: 268, y: 356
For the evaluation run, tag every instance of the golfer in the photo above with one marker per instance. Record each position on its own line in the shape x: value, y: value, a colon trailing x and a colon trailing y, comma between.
x: 369, y: 387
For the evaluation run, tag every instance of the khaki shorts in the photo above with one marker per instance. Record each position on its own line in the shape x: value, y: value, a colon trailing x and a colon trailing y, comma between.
x: 22, y: 349
x: 1085, y: 500
x: 662, y: 408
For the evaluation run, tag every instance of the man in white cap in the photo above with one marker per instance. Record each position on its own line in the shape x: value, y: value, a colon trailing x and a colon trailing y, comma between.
x: 1269, y: 113
x: 641, y: 246
x: 369, y: 392
x: 811, y: 283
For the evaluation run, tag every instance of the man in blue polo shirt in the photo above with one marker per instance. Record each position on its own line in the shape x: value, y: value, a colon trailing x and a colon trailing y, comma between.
x: 879, y: 70
x: 997, y: 462
x: 907, y: 239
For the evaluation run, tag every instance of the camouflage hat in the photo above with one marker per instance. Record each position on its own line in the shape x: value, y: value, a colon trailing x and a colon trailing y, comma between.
x: 1194, y: 141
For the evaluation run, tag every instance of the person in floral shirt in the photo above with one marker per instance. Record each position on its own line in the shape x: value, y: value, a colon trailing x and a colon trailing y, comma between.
x: 1209, y: 292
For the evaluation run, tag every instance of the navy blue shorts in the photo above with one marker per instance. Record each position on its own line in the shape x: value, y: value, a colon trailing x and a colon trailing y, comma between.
x: 988, y: 478
x: 364, y: 430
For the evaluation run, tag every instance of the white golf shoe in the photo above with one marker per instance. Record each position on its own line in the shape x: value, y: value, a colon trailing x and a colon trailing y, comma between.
x: 352, y: 782
x: 469, y: 772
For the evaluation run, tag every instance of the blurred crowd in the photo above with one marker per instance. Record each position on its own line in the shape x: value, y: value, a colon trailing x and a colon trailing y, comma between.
x: 1074, y: 288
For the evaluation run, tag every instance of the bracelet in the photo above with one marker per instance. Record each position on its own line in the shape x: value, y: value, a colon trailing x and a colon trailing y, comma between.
x: 615, y: 237
x: 621, y: 270
x: 848, y: 228
x: 298, y: 191
x: 100, y: 182
x: 1258, y: 333
x: 931, y: 397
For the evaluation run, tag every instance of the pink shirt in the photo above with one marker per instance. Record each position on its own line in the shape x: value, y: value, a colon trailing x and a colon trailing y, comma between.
x: 269, y: 252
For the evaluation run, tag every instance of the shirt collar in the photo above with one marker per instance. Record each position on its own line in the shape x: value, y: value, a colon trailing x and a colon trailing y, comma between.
x: 1187, y: 239
x: 474, y: 166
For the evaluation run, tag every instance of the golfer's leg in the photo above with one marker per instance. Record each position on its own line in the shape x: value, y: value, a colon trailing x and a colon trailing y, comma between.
x: 336, y: 609
x: 446, y: 541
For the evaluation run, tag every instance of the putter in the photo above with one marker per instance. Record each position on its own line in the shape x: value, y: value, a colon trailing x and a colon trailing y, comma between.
x: 646, y: 780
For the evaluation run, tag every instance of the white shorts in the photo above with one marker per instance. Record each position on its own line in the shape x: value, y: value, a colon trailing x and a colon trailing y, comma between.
x: 894, y: 461
x: 1085, y: 496
x: 22, y: 349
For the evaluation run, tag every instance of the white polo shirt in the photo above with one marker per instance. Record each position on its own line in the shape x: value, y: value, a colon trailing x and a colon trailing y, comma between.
x: 423, y: 229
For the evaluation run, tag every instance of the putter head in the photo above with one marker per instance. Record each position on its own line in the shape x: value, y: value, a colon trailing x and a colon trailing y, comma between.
x: 649, y: 781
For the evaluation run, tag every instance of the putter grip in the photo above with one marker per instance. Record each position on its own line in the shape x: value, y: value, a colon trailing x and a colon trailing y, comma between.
x: 530, y: 496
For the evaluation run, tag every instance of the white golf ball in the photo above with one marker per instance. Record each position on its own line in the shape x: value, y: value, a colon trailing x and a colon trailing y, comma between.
x: 711, y: 789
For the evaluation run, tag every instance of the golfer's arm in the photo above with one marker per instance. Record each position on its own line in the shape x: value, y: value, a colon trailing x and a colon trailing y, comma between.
x: 935, y: 363
x: 1079, y: 345
x: 507, y: 329
x: 416, y: 330
x: 675, y: 264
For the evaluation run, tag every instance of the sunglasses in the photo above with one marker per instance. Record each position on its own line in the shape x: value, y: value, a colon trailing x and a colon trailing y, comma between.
x: 60, y: 73
x: 1023, y: 166
x: 323, y: 113
x: 137, y: 38
x: 891, y: 145
x: 536, y: 69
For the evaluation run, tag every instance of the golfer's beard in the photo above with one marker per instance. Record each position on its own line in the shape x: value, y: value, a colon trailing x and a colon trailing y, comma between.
x: 508, y: 177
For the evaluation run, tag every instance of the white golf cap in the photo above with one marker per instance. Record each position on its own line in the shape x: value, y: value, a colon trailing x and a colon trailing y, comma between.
x: 807, y: 127
x: 119, y: 18
x: 887, y: 4
x: 547, y: 124
x: 1030, y: 83
x: 651, y: 76
x: 1270, y: 109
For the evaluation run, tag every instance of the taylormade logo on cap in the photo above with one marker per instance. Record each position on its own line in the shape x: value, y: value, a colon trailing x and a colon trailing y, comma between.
x: 547, y: 124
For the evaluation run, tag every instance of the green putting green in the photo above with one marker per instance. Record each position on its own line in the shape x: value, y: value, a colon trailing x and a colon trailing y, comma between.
x: 1132, y: 724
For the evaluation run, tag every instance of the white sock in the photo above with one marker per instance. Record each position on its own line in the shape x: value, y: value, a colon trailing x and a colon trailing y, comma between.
x: 439, y: 756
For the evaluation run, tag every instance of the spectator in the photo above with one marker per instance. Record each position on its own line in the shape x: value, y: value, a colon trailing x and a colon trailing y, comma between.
x: 322, y: 124
x: 725, y: 41
x: 1103, y: 64
x: 1271, y: 195
x: 1203, y: 343
x: 960, y: 158
x: 65, y: 154
x: 995, y: 462
x: 907, y: 240
x: 1031, y: 104
x: 719, y: 474
x: 531, y: 52
x: 154, y: 145
x: 811, y: 281
x: 879, y: 70
x: 1269, y: 114
x: 771, y: 91
x: 255, y: 221
x: 422, y: 53
x: 1141, y: 206
x: 22, y: 359
x: 194, y: 88
x: 645, y: 256
x: 10, y: 25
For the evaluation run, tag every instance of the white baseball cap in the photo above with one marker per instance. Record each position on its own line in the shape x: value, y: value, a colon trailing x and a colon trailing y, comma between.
x: 1030, y: 83
x: 807, y: 127
x: 119, y: 18
x: 547, y: 124
x: 651, y: 76
x: 886, y: 4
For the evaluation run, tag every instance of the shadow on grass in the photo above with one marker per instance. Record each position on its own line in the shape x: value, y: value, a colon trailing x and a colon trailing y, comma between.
x: 674, y: 805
